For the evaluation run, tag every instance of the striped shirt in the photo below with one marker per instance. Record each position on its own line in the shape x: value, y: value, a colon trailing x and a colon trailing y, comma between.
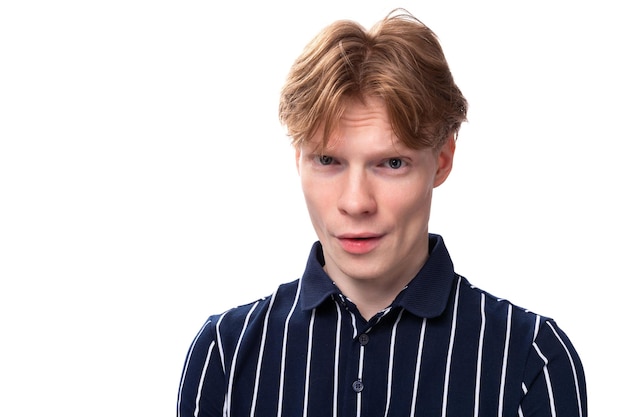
x: 442, y: 348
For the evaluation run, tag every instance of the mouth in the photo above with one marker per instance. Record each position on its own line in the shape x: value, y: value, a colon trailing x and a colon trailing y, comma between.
x: 359, y: 244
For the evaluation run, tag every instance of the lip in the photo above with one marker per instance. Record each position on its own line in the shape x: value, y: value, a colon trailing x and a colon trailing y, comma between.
x: 359, y: 244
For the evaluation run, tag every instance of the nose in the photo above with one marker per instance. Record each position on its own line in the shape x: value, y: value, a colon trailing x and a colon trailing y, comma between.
x: 357, y: 194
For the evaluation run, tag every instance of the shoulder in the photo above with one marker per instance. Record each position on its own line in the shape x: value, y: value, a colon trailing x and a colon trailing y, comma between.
x: 501, y: 310
x: 536, y: 351
x: 235, y: 320
x: 539, y: 330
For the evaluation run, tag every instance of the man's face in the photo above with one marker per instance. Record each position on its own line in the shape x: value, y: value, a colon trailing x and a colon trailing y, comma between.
x: 369, y: 196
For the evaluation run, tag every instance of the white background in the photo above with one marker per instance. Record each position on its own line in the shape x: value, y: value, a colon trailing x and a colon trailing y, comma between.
x: 145, y: 182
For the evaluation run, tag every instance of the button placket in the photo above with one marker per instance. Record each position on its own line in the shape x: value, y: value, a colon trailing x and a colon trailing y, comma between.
x: 358, y: 386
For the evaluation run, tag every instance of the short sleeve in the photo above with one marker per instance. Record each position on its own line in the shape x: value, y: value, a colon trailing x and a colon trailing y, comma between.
x: 554, y: 380
x: 202, y: 388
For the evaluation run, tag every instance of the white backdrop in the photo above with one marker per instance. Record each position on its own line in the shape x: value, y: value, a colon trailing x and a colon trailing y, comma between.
x: 145, y: 182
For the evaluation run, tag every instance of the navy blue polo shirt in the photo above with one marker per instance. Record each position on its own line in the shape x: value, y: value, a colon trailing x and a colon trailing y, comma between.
x: 442, y: 348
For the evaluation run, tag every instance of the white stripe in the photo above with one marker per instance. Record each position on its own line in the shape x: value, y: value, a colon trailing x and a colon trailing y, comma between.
x: 358, y: 395
x: 220, y: 347
x: 305, y: 407
x: 283, y: 358
x: 418, y: 367
x: 505, y: 360
x: 354, y: 329
x: 520, y: 412
x: 390, y: 366
x: 525, y: 391
x: 231, y: 377
x: 571, y: 361
x: 336, y: 375
x: 444, y: 406
x: 537, y: 323
x: 382, y: 314
x: 479, y: 362
x: 354, y: 334
x: 260, y: 360
x: 191, y: 350
x: 548, y: 381
x: 196, y: 411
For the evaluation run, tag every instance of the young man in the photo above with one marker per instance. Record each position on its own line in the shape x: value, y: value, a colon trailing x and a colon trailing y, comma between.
x: 379, y: 324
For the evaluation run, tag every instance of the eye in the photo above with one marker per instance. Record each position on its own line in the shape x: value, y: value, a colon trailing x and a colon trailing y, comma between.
x: 325, y: 159
x: 395, y: 163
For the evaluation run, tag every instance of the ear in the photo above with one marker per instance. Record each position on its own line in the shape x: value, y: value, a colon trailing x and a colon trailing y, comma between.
x: 445, y: 157
x: 298, y: 152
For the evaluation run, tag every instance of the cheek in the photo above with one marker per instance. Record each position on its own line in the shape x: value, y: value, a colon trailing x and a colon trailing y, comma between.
x: 316, y: 197
x: 319, y: 210
x: 408, y: 202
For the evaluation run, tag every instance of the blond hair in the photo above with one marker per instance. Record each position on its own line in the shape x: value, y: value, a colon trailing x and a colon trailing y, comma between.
x: 399, y: 60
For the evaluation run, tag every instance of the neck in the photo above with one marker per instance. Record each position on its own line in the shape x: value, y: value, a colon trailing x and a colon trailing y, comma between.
x: 374, y: 295
x: 372, y: 282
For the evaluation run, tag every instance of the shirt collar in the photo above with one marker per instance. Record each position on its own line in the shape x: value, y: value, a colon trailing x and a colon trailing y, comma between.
x: 425, y: 296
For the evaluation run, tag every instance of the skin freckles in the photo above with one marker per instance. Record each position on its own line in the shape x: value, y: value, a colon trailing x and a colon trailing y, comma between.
x: 369, y: 199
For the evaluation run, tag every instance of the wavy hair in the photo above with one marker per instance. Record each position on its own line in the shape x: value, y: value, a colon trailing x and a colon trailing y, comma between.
x: 399, y: 60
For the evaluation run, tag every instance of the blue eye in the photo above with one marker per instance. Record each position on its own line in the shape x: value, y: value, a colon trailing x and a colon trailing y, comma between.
x: 325, y: 160
x: 395, y: 163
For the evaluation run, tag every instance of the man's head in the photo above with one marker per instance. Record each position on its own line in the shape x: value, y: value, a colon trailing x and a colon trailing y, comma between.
x: 399, y: 61
x: 373, y: 117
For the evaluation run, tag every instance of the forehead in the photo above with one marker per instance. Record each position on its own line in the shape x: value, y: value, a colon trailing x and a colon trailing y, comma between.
x: 368, y: 110
x: 364, y: 120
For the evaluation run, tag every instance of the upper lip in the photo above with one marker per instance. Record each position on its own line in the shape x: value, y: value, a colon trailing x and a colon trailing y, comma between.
x: 362, y: 235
